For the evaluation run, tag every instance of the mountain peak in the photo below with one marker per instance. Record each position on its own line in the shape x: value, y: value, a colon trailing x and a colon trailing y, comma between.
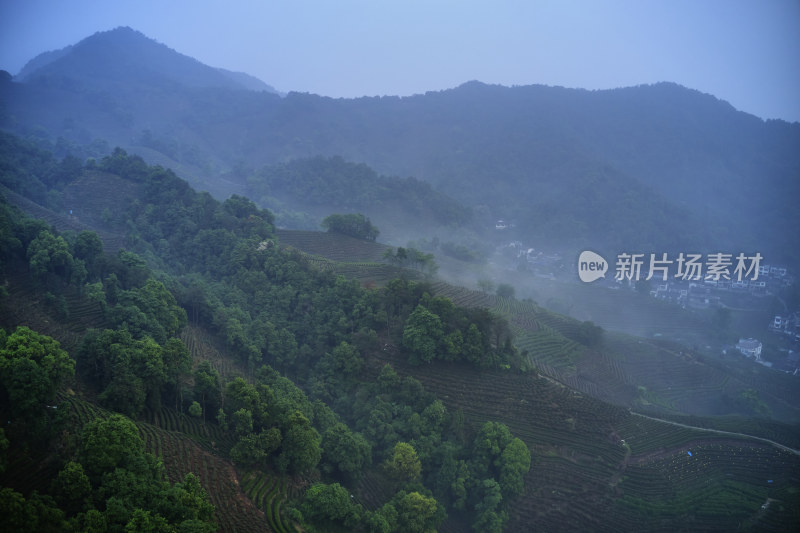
x: 126, y: 56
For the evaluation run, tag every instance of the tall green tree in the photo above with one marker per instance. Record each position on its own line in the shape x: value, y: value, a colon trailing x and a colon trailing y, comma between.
x: 239, y: 394
x: 504, y: 290
x: 150, y: 310
x: 206, y: 386
x: 417, y: 513
x: 354, y: 225
x: 130, y: 373
x: 326, y: 505
x: 255, y: 448
x: 131, y: 487
x: 344, y: 452
x: 110, y: 443
x: 49, y: 254
x: 404, y: 464
x: 177, y: 364
x: 36, y: 513
x: 515, y: 462
x: 491, y: 516
x: 422, y: 334
x: 89, y: 248
x: 32, y: 368
x: 300, y: 449
x: 489, y: 444
x: 72, y: 488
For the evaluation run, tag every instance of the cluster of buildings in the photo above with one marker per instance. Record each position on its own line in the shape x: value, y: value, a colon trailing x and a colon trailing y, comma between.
x: 707, y: 294
x: 770, y: 277
x: 702, y: 294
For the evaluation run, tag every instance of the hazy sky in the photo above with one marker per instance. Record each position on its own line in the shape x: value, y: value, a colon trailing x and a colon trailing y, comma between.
x: 744, y: 51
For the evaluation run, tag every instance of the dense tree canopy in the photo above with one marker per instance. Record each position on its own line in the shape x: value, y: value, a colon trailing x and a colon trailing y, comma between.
x: 32, y: 368
x: 216, y: 264
x: 300, y: 448
x: 130, y: 490
x: 129, y: 372
x: 339, y: 184
x: 326, y: 504
x: 422, y: 334
x: 354, y: 225
x: 344, y: 452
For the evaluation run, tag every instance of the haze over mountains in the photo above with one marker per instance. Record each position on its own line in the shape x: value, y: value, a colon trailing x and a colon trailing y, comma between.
x: 509, y: 415
x: 651, y: 168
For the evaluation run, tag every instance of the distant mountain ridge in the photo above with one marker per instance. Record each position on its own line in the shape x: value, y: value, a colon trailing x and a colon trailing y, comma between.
x: 649, y: 168
x: 249, y: 82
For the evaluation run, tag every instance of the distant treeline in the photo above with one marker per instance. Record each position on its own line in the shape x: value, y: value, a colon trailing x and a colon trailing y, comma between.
x: 336, y: 184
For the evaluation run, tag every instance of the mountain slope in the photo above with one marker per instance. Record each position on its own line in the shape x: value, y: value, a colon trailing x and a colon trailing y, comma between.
x: 597, y: 466
x: 515, y: 149
x: 655, y: 168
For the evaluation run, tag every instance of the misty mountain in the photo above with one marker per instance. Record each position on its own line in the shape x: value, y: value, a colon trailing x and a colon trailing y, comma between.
x: 247, y: 81
x: 512, y: 416
x: 656, y: 167
x: 126, y: 56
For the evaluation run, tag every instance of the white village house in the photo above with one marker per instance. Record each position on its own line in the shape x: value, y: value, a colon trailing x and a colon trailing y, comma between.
x: 750, y: 347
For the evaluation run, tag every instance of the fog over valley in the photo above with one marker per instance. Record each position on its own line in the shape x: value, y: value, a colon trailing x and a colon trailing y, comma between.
x: 230, y: 306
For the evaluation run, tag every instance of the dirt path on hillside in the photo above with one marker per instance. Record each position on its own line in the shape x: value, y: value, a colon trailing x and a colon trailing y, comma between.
x: 721, y: 432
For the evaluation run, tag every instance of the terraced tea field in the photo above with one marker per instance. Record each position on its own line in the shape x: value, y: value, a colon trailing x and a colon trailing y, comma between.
x: 333, y: 246
x: 92, y: 194
x: 208, y: 436
x: 218, y: 476
x: 462, y: 296
x: 674, y: 380
x: 345, y: 256
x: 268, y: 492
x: 26, y: 306
x: 642, y: 373
x: 369, y: 274
x: 184, y: 445
x: 597, y: 464
x: 682, y: 382
x: 64, y: 222
x: 204, y: 347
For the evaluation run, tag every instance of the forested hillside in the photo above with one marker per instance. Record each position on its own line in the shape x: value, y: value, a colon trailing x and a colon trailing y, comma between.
x: 187, y: 325
x: 183, y: 349
x: 218, y: 265
x: 322, y: 185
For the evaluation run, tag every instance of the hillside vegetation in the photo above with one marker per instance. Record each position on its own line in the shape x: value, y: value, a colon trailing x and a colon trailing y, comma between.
x: 182, y: 348
x: 284, y: 388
